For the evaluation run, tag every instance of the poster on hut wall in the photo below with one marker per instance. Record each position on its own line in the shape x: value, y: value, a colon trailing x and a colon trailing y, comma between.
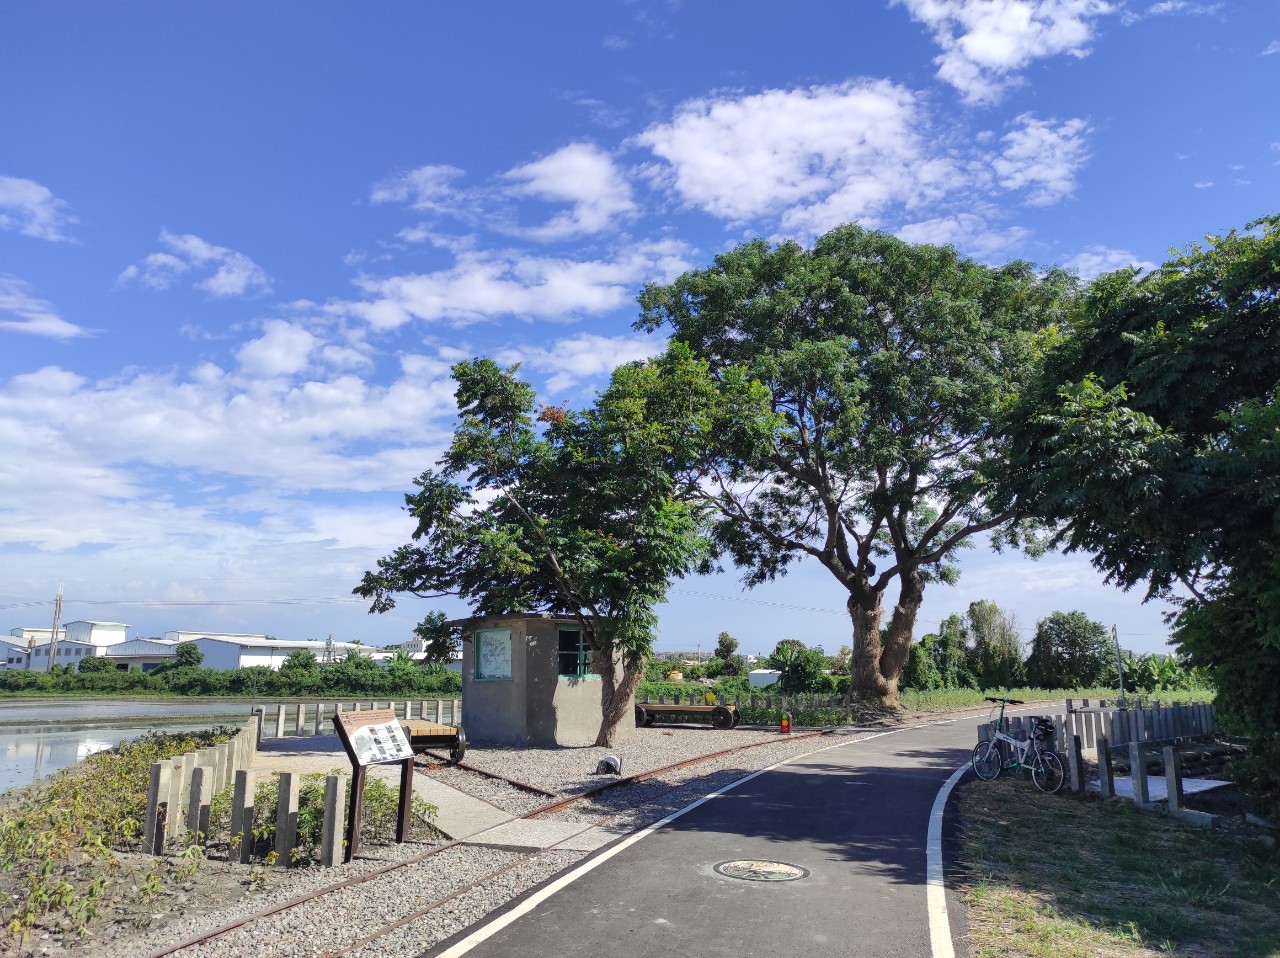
x: 374, y: 737
x: 493, y: 654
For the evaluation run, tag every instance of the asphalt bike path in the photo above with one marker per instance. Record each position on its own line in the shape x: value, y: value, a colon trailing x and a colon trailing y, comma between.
x: 853, y: 817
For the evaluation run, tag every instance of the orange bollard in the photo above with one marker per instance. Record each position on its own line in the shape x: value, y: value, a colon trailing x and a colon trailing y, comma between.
x: 786, y: 723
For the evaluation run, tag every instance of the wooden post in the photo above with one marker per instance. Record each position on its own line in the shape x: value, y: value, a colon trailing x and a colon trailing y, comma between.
x: 1106, y: 783
x: 260, y: 712
x: 152, y: 830
x: 1075, y: 763
x: 173, y: 802
x: 435, y: 711
x: 280, y: 720
x: 198, y: 806
x: 300, y: 720
x: 1138, y: 773
x: 222, y: 762
x: 353, y: 813
x: 319, y: 722
x: 242, y: 817
x: 406, y: 801
x: 188, y: 767
x: 334, y: 819
x: 1173, y: 779
x: 287, y: 818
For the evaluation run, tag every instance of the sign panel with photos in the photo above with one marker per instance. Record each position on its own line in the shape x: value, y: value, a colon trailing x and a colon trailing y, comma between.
x: 374, y: 737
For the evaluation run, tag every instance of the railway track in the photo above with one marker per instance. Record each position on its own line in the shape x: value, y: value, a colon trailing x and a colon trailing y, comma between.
x: 384, y: 929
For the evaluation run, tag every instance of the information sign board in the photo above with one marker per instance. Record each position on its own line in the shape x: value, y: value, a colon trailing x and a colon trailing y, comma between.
x: 373, y: 737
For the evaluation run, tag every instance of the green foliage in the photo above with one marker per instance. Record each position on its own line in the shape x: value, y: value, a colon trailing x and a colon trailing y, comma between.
x: 95, y: 663
x: 356, y: 677
x: 59, y: 838
x: 847, y: 399
x: 564, y: 511
x: 439, y: 639
x: 378, y: 819
x: 940, y: 661
x: 187, y: 655
x: 1070, y: 649
x: 994, y: 648
x: 801, y: 668
x: 1150, y: 438
x: 1151, y: 673
x: 726, y: 661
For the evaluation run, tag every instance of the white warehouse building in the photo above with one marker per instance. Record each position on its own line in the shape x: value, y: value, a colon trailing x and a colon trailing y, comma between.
x: 226, y: 651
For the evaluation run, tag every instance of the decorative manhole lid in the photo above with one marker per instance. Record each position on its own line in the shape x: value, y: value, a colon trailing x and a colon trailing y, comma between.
x: 757, y: 870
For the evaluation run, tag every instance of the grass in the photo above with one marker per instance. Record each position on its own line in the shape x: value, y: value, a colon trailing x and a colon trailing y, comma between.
x: 1073, y: 876
x: 959, y: 698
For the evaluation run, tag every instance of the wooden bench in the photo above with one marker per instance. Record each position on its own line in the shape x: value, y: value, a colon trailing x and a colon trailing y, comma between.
x: 720, y: 716
x: 423, y: 735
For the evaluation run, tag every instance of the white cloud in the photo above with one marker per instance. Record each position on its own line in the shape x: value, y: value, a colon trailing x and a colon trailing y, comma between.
x: 1271, y: 48
x: 585, y: 356
x: 986, y: 43
x: 33, y: 315
x: 971, y: 233
x: 1204, y: 184
x: 234, y: 274
x: 425, y: 188
x: 613, y: 42
x: 1042, y: 157
x: 135, y: 436
x: 1096, y: 259
x: 491, y: 284
x: 32, y: 210
x: 283, y: 350
x: 579, y: 174
x: 816, y: 157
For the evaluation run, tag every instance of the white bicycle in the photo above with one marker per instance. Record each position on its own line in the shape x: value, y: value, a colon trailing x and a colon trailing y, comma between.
x: 1003, y: 751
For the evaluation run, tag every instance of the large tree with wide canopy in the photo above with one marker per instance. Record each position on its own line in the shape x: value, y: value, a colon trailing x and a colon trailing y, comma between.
x: 886, y: 369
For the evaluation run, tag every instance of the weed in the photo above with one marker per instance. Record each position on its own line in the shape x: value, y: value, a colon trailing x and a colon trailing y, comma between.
x: 58, y: 840
x: 1093, y: 877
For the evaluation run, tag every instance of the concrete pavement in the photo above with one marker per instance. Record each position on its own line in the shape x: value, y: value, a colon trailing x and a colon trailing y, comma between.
x: 854, y: 817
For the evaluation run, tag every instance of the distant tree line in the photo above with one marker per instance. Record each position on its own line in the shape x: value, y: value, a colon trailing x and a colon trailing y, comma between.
x: 301, y: 674
x: 982, y: 650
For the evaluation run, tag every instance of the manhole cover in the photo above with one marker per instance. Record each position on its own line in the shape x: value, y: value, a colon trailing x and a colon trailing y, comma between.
x: 755, y: 870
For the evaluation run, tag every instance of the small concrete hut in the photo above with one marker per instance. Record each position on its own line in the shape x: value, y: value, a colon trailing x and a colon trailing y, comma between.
x: 527, y: 680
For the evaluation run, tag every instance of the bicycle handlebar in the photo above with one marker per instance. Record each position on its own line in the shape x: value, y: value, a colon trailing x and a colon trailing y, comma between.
x: 1006, y: 701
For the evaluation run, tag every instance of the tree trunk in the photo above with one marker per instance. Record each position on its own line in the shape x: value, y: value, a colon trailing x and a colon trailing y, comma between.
x: 897, y: 643
x: 615, y: 695
x: 865, y: 678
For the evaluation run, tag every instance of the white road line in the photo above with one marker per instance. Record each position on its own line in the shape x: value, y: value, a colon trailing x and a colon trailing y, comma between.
x: 936, y: 889
x: 491, y: 928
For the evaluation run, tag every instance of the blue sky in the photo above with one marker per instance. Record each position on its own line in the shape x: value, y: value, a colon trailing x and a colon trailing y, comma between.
x: 240, y: 245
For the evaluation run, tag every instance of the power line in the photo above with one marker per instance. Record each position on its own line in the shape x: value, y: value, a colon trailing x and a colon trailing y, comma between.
x: 162, y: 603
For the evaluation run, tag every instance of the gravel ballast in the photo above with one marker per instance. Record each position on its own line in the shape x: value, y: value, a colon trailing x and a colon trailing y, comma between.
x: 335, y: 923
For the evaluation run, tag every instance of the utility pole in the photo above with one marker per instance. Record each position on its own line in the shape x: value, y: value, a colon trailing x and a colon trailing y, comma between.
x: 1115, y: 638
x: 53, y: 636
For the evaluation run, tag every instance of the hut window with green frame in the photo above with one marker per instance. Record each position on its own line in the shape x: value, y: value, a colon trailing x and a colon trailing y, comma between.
x: 573, y: 658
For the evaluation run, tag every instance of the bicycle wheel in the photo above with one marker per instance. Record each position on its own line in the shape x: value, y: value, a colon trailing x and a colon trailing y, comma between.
x: 987, y: 760
x: 1046, y: 772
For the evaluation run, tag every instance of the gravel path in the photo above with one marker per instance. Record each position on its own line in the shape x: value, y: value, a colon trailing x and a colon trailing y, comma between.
x: 335, y: 923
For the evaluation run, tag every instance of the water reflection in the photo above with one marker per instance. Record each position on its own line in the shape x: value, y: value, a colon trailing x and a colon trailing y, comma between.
x: 29, y: 755
x: 30, y: 751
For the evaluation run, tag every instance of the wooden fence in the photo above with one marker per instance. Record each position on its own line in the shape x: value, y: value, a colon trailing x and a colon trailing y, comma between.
x: 1108, y: 731
x: 317, y: 719
x: 784, y: 703
x: 180, y: 790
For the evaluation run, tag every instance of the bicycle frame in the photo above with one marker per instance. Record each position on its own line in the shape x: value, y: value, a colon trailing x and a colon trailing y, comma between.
x: 1003, y: 751
x: 1017, y: 757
